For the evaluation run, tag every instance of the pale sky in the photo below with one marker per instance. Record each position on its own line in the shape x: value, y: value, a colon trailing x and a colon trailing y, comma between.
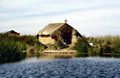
x: 89, y: 17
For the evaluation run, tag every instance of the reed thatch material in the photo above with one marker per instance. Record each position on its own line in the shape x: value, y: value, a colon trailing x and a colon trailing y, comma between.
x: 49, y: 29
x: 58, y: 32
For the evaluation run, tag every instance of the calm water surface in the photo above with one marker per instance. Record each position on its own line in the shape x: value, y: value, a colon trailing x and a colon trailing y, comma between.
x: 62, y: 68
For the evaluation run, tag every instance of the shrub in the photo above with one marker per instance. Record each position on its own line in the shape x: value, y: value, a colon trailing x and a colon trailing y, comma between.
x: 60, y: 45
x: 39, y: 46
x: 81, y: 47
x: 29, y: 39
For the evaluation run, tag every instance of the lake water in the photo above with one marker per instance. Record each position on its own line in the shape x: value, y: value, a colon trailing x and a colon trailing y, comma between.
x: 62, y: 68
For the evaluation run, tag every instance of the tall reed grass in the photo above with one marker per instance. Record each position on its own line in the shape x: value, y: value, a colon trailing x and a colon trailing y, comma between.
x: 105, y: 44
x: 10, y: 51
x: 14, y: 47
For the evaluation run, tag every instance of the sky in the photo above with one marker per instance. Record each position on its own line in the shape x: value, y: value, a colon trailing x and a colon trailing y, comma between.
x: 89, y: 17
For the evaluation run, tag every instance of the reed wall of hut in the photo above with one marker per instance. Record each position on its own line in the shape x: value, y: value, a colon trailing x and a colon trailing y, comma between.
x: 47, y: 40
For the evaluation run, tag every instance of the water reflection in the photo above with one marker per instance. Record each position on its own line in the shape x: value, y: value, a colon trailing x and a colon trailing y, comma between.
x: 55, y: 56
x: 107, y: 55
x: 111, y: 55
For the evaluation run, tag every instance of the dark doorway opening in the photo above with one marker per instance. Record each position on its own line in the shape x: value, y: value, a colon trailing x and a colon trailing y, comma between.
x: 67, y: 37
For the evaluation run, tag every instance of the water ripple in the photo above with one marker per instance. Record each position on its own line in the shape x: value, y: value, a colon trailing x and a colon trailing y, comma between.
x: 62, y: 68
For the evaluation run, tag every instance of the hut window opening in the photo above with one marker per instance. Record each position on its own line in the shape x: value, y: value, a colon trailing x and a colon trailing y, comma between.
x: 45, y: 35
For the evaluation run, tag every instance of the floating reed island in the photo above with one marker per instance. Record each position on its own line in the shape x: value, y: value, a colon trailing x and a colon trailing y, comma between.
x: 56, y: 39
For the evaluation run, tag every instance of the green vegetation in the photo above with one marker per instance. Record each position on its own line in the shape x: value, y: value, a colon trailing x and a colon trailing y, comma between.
x: 60, y: 45
x: 10, y: 51
x: 107, y: 45
x: 57, y: 46
x: 81, y: 47
x: 15, y: 47
x: 102, y: 46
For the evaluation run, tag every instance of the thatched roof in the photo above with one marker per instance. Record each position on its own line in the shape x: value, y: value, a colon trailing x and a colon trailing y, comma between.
x: 49, y: 29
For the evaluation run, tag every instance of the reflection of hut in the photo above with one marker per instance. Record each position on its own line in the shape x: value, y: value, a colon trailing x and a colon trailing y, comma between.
x: 58, y: 32
x: 13, y: 32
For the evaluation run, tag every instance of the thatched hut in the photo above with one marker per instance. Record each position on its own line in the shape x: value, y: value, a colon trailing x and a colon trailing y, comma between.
x: 58, y: 32
x: 12, y: 32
